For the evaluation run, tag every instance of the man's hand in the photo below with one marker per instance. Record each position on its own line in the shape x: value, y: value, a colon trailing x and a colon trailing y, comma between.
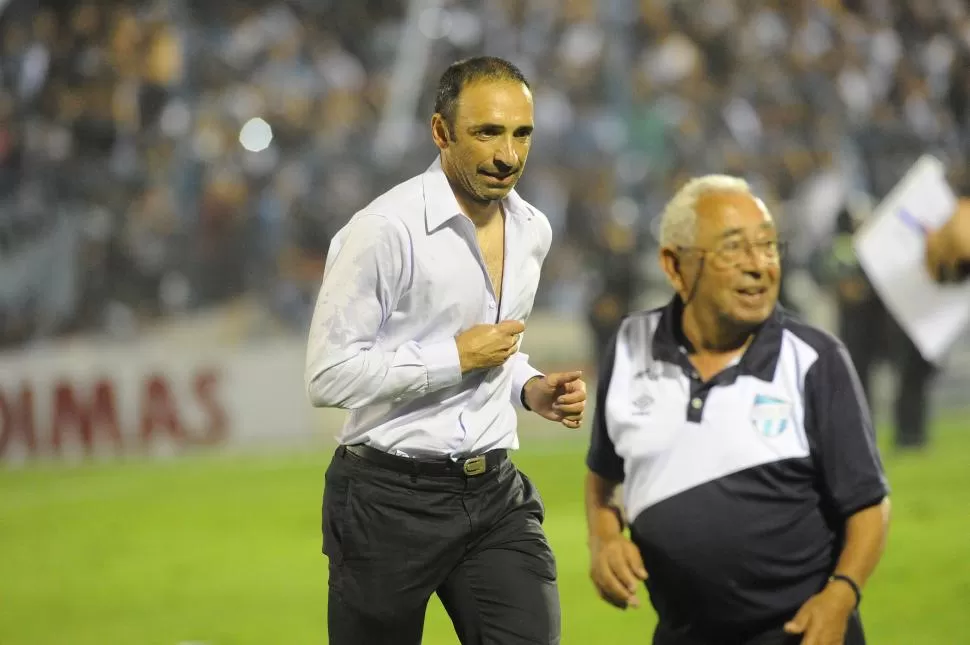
x: 484, y: 346
x: 558, y: 397
x: 822, y: 620
x: 948, y: 247
x: 616, y: 569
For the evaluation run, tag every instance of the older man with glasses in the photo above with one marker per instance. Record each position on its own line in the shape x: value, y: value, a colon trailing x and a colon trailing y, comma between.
x: 754, y: 492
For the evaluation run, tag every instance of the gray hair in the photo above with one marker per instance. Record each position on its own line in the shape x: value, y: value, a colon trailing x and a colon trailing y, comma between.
x: 678, y: 223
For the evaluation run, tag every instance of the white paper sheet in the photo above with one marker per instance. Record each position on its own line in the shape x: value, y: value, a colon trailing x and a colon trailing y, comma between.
x: 891, y: 250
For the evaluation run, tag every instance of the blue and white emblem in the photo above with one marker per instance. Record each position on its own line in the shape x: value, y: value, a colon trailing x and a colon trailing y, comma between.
x: 770, y: 415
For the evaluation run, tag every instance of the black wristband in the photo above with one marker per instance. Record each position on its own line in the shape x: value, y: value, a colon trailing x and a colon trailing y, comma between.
x: 852, y: 583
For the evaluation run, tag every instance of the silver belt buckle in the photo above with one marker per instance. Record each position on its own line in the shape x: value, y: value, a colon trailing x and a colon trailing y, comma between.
x: 474, y: 466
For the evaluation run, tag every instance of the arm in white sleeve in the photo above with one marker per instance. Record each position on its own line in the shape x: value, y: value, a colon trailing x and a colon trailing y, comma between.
x: 521, y: 373
x: 367, y: 270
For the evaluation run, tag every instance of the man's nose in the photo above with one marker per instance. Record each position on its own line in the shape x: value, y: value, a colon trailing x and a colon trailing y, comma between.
x: 754, y: 261
x: 505, y: 156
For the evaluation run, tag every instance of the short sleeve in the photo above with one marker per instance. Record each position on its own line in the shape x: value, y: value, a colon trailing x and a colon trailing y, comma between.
x: 843, y: 438
x: 601, y: 458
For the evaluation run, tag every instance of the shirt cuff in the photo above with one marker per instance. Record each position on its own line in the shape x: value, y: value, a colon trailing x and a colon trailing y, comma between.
x: 442, y: 363
x: 521, y: 373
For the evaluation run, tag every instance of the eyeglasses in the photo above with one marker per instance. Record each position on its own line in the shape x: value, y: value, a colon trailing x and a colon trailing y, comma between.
x: 734, y: 252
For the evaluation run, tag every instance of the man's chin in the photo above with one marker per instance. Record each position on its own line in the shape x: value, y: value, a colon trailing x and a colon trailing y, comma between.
x: 751, y: 317
x: 494, y: 193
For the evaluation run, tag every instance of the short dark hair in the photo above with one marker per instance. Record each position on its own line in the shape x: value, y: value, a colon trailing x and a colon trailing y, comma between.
x: 470, y: 70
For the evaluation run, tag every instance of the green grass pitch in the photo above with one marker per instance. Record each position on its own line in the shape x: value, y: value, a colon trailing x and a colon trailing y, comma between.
x: 225, y: 550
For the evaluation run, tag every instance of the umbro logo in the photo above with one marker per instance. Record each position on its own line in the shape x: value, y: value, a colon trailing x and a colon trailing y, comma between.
x: 643, y: 403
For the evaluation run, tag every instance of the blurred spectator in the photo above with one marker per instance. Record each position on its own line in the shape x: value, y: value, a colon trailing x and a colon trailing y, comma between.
x: 129, y: 132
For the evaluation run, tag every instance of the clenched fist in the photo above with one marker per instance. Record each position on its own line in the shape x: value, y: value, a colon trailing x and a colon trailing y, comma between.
x: 485, y: 346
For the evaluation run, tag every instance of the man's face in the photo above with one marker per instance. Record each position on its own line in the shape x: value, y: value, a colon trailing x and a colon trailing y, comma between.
x: 734, y: 261
x: 492, y: 133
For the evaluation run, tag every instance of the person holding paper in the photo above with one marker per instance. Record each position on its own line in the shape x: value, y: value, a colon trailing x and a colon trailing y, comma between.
x: 948, y: 247
x: 873, y: 337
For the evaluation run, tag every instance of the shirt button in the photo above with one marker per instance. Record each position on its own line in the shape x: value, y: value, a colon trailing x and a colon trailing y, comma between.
x: 696, y: 404
x: 491, y: 305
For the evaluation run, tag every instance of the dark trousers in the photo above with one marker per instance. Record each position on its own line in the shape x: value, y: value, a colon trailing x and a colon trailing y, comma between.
x: 854, y: 635
x: 394, y: 537
x: 871, y: 334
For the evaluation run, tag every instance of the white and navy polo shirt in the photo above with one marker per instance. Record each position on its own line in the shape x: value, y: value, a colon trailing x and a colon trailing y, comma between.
x: 737, y: 489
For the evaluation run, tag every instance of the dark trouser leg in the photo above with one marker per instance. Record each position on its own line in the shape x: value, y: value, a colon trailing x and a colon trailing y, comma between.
x: 348, y: 624
x: 861, y: 328
x: 504, y: 591
x: 912, y: 392
x: 391, y: 539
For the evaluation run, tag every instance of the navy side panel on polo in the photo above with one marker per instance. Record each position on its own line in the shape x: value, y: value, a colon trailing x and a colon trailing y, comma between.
x: 737, y: 489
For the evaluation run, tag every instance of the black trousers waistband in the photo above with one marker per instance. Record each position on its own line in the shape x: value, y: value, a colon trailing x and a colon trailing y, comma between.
x: 444, y: 467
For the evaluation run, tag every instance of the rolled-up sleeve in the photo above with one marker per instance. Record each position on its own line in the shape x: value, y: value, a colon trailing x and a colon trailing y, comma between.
x: 367, y: 270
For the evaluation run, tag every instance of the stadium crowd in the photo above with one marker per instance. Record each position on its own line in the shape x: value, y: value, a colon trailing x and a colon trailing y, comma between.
x: 125, y: 194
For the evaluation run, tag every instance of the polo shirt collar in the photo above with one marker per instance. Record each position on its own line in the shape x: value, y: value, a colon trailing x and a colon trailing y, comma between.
x: 759, y: 360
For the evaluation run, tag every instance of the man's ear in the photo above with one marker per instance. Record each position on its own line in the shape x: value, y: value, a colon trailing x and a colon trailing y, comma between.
x: 440, y: 131
x: 671, y: 265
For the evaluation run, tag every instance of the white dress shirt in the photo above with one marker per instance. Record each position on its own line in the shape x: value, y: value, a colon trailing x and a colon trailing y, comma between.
x: 402, y: 279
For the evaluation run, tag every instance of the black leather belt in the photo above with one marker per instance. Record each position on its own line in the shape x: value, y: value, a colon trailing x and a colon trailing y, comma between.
x: 467, y: 467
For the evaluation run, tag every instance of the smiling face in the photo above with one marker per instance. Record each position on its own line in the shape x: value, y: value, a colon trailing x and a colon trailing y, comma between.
x: 485, y: 146
x: 734, y: 262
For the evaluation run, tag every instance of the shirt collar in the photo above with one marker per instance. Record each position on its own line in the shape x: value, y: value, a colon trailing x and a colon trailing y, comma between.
x: 440, y: 203
x: 759, y: 360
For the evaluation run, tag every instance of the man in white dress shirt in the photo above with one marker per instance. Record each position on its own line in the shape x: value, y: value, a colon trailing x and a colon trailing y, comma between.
x: 416, y: 331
